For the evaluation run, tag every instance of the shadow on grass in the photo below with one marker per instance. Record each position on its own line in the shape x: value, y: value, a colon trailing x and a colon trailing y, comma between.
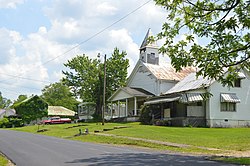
x: 130, y: 159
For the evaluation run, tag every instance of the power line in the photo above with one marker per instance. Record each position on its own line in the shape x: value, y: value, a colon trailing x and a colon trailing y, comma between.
x: 6, y: 83
x: 96, y: 34
x: 25, y: 78
x: 76, y: 46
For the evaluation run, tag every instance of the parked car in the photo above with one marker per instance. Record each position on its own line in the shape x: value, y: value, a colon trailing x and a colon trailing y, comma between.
x: 56, y: 120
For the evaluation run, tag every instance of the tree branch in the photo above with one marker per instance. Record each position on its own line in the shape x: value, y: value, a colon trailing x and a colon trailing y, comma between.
x: 218, y: 9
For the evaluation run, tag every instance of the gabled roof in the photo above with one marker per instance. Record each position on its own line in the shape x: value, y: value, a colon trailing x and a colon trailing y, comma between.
x: 190, y: 82
x: 59, y: 111
x: 167, y: 72
x: 145, y: 42
x: 164, y: 71
x: 136, y: 92
x: 132, y: 92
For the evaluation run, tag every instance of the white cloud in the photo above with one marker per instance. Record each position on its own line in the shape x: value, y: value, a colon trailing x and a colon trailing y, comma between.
x: 121, y: 39
x: 10, y: 3
x: 106, y: 8
x: 74, y: 22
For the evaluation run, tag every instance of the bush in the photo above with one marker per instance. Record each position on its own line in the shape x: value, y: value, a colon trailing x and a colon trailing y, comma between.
x: 145, y: 117
x: 10, y: 122
x: 15, y: 122
x: 160, y: 122
x: 4, y: 122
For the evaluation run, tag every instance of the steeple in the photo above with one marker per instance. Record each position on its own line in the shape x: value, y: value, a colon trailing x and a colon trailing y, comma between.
x: 149, y: 50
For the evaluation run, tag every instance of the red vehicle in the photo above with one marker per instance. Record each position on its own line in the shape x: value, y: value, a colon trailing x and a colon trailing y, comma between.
x: 56, y: 120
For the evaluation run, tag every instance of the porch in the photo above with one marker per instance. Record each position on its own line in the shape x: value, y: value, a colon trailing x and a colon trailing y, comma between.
x: 179, y: 110
x: 126, y: 102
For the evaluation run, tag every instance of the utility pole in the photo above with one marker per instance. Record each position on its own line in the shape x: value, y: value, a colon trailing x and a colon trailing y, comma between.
x: 104, y: 90
x: 104, y: 87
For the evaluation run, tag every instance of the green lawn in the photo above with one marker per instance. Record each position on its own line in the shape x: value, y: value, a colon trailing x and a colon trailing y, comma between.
x: 224, y: 139
x: 3, y: 161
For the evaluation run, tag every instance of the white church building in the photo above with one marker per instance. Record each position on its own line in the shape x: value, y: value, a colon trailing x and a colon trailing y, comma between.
x: 180, y: 97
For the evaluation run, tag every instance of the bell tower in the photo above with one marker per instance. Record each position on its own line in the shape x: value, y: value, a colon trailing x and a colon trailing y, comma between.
x: 149, y: 51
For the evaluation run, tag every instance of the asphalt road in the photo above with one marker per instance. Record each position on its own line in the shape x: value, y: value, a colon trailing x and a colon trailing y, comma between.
x: 26, y: 149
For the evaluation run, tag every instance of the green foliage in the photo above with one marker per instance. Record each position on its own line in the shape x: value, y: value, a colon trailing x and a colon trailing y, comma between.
x: 31, y: 109
x: 4, y: 122
x: 9, y: 122
x: 58, y: 94
x: 222, y: 28
x: 87, y: 75
x: 146, y: 116
x: 19, y: 100
x: 4, y: 102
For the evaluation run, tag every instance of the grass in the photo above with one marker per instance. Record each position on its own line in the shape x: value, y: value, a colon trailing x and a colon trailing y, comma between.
x: 3, y: 161
x: 223, y: 140
x: 233, y: 160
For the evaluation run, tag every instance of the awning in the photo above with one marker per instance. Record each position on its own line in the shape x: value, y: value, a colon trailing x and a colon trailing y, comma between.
x: 229, y: 98
x: 191, y: 98
x: 162, y: 100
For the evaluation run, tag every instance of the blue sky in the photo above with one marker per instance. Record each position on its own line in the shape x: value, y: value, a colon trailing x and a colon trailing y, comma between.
x: 32, y: 32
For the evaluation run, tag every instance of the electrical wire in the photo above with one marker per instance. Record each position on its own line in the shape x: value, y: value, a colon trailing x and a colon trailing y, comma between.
x: 81, y: 43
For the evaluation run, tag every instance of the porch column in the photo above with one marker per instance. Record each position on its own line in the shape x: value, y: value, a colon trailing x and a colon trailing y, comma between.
x: 119, y: 108
x: 135, y: 106
x: 126, y: 113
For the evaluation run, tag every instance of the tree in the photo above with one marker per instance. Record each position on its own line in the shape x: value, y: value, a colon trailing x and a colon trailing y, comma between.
x: 86, y: 79
x: 19, y: 100
x: 32, y: 109
x: 58, y: 94
x: 4, y: 102
x: 222, y: 25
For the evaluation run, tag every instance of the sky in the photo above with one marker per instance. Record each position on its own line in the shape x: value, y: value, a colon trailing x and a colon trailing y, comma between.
x: 38, y: 36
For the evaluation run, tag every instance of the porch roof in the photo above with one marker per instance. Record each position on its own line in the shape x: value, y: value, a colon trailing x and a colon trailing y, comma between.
x: 182, y: 98
x: 161, y: 100
x: 129, y: 92
x: 229, y: 98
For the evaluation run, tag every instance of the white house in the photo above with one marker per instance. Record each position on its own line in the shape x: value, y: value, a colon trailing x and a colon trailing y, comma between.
x: 148, y: 78
x: 180, y: 97
x: 203, y: 102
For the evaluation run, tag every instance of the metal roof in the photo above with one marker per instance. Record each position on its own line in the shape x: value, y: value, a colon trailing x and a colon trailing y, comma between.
x: 161, y: 100
x: 136, y: 91
x: 167, y: 72
x: 133, y: 92
x: 230, y: 98
x: 60, y: 111
x: 190, y: 82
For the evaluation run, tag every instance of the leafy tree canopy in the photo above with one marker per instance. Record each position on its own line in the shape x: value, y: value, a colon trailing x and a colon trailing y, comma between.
x: 222, y: 28
x: 58, y: 94
x: 86, y: 76
x: 19, y: 99
x: 4, y: 102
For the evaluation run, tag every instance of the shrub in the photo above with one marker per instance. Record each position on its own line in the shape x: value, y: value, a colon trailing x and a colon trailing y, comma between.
x: 160, y: 122
x: 145, y: 117
x: 4, y: 122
